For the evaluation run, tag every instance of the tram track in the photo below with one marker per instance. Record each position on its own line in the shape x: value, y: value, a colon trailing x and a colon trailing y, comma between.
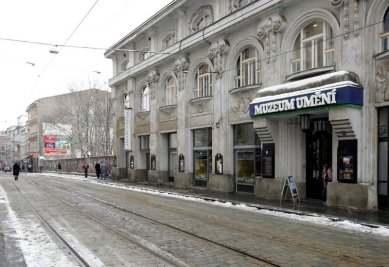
x: 288, y: 242
x: 151, y: 248
x: 174, y: 228
x: 77, y: 256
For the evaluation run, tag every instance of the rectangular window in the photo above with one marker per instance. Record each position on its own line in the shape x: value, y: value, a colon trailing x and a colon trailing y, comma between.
x: 203, y: 137
x: 144, y: 142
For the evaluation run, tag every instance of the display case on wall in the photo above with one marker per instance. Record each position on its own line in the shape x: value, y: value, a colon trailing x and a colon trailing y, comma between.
x: 268, y: 160
x: 347, y: 161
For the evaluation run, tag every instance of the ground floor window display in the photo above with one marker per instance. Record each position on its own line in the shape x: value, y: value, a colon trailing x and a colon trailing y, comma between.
x: 383, y: 157
x: 202, y: 155
x: 247, y: 148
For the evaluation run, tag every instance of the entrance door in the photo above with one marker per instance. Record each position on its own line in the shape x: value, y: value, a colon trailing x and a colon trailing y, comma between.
x: 172, y: 165
x: 383, y: 158
x: 319, y: 151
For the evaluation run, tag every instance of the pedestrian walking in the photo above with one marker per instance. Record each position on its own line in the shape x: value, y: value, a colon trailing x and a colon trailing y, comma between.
x: 103, y: 171
x: 59, y: 167
x: 326, y: 176
x: 85, y: 166
x: 98, y: 169
x: 16, y: 170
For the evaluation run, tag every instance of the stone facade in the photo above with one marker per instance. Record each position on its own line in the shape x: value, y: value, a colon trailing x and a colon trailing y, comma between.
x: 191, y: 72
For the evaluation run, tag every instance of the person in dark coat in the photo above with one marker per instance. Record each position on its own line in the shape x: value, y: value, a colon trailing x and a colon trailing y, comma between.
x: 98, y: 169
x: 85, y: 166
x: 16, y: 170
x: 59, y: 167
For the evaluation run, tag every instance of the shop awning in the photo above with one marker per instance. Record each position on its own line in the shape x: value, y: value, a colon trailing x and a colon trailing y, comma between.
x: 321, y: 92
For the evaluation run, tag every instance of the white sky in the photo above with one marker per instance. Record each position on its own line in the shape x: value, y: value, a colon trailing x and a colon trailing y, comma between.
x: 53, y: 21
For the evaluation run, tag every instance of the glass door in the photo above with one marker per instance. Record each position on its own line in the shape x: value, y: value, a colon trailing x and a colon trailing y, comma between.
x: 172, y: 165
x: 319, y: 149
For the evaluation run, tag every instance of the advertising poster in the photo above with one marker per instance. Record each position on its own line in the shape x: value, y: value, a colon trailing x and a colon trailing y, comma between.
x: 56, y: 145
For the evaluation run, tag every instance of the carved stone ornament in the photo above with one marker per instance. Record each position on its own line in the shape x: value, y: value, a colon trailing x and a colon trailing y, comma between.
x: 234, y: 5
x: 267, y: 30
x: 201, y: 18
x: 152, y: 79
x: 242, y: 106
x: 353, y: 13
x: 382, y: 89
x: 180, y: 67
x: 217, y: 54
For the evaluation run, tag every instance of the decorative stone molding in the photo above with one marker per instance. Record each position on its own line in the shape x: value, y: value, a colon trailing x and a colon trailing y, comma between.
x: 201, y: 18
x: 167, y: 109
x: 152, y: 79
x: 337, y: 3
x: 242, y: 106
x: 217, y: 54
x: 267, y: 31
x: 382, y: 88
x: 180, y: 67
x: 200, y: 102
x: 234, y: 5
x: 353, y: 13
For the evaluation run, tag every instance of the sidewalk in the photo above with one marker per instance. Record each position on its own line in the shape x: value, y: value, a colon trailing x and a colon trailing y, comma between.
x: 305, y: 206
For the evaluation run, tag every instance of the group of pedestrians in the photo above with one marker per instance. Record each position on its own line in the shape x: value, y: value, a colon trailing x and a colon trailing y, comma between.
x: 100, y: 170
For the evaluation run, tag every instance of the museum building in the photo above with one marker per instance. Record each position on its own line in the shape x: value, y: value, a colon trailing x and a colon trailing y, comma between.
x: 236, y: 96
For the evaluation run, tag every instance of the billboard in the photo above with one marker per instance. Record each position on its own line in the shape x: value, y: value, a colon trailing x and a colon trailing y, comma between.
x: 56, y: 145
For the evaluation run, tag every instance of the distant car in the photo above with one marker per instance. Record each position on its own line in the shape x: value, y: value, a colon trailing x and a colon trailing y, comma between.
x: 7, y: 169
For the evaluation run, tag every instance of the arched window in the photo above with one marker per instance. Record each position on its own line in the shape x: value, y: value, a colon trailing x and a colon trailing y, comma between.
x: 170, y: 96
x: 385, y: 34
x: 247, y: 69
x: 145, y: 99
x: 202, y: 82
x: 313, y: 47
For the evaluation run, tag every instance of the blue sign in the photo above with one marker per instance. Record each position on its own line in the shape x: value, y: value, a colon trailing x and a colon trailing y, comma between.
x: 307, y: 99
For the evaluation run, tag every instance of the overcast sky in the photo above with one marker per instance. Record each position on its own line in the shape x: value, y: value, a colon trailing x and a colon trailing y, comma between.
x: 53, y: 21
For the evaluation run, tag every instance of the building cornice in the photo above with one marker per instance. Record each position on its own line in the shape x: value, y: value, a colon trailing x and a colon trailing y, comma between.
x: 195, y: 39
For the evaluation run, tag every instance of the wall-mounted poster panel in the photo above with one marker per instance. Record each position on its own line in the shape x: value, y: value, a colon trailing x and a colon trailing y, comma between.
x: 127, y: 129
x: 347, y: 161
x: 56, y: 145
x: 267, y: 160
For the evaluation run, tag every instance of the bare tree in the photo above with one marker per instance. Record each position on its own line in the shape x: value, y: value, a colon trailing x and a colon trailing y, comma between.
x: 85, y: 117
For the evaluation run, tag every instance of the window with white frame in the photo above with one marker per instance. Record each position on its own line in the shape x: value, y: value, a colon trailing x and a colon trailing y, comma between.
x: 247, y: 68
x: 313, y: 48
x: 145, y: 99
x: 385, y: 35
x: 202, y: 82
x: 170, y: 96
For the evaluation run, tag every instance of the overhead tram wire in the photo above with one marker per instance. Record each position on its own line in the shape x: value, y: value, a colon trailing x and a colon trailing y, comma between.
x: 169, y: 53
x: 67, y: 39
